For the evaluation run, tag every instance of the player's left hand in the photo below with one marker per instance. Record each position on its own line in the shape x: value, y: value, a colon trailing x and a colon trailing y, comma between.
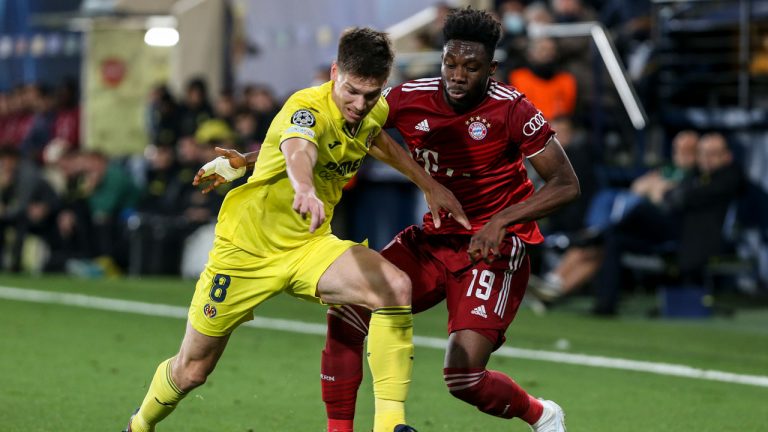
x: 306, y: 203
x: 440, y: 198
x: 484, y: 244
x: 229, y: 166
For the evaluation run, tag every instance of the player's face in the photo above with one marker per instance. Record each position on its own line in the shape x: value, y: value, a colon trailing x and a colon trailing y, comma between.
x: 355, y: 96
x: 466, y: 70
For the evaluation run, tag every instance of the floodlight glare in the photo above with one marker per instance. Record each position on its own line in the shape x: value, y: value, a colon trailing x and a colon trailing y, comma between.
x: 161, y: 36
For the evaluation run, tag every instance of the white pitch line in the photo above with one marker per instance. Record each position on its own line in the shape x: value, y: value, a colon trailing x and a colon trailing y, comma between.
x: 161, y: 310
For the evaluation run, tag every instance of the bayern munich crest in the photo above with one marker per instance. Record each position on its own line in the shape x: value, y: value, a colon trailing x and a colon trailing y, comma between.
x: 478, y: 127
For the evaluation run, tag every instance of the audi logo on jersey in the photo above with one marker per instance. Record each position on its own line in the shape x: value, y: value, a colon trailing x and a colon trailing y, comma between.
x: 534, y: 124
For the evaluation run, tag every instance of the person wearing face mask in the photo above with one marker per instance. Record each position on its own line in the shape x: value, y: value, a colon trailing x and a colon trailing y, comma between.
x: 513, y: 39
x: 551, y: 89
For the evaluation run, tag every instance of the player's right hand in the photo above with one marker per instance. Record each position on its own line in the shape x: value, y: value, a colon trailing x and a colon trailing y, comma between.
x: 229, y: 166
x: 307, y: 203
x: 440, y: 198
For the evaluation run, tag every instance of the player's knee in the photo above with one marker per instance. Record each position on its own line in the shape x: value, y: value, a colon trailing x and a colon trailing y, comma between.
x: 191, y: 375
x: 400, y: 285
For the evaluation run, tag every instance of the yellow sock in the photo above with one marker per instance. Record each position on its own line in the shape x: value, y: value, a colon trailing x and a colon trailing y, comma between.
x: 390, y: 357
x: 388, y: 415
x: 161, y: 399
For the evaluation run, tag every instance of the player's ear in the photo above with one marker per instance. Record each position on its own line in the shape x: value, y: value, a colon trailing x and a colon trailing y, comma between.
x: 334, y: 71
x: 492, y: 69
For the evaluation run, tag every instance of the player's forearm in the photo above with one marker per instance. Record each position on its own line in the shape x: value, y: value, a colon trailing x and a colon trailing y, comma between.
x: 557, y: 192
x: 388, y: 151
x: 250, y: 159
x: 300, y: 160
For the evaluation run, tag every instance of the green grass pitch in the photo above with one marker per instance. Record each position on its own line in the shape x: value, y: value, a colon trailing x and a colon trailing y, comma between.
x: 67, y: 368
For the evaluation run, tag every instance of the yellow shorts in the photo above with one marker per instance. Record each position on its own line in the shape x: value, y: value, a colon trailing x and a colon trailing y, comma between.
x: 234, y: 281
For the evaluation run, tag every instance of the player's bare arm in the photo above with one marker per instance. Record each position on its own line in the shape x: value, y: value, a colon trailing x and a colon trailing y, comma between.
x: 230, y: 165
x: 438, y: 197
x: 562, y: 187
x: 300, y: 159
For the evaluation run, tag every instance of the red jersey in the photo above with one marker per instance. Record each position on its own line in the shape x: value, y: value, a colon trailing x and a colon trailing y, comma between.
x: 478, y: 155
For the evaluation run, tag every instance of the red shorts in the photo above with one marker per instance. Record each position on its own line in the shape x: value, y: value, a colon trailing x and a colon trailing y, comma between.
x: 482, y: 297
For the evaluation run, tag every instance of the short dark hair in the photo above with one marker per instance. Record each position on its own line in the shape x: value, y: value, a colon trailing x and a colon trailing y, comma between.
x: 473, y: 25
x: 365, y: 53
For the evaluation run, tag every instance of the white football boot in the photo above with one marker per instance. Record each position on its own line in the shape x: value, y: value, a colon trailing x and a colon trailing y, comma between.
x: 552, y: 419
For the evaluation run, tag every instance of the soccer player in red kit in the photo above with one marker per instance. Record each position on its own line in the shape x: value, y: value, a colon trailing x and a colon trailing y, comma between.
x: 471, y: 134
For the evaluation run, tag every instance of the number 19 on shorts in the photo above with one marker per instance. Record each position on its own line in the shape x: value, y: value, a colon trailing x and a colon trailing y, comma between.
x: 484, y: 282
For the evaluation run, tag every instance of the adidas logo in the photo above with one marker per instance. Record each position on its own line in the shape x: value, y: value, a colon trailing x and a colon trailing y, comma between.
x: 423, y: 126
x: 479, y: 311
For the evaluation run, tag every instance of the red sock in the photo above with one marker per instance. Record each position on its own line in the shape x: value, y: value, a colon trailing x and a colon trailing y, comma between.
x: 491, y: 392
x: 340, y: 425
x: 535, y: 409
x: 341, y: 369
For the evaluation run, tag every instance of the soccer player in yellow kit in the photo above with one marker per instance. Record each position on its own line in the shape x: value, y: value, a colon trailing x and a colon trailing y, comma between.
x: 273, y: 235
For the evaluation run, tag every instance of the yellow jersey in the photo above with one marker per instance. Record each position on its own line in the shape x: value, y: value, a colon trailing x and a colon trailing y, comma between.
x: 258, y: 216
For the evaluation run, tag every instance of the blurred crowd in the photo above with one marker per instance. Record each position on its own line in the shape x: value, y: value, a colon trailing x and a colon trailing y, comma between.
x: 65, y: 209
x: 677, y: 212
x: 557, y: 75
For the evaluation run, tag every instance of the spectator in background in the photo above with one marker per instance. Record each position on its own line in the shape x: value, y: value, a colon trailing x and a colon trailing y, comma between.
x: 538, y: 13
x: 19, y: 116
x: 551, y: 89
x: 584, y: 258
x: 20, y: 113
x: 73, y: 222
x: 112, y: 197
x: 40, y: 131
x: 199, y: 209
x: 66, y: 128
x: 690, y: 217
x: 571, y: 217
x: 196, y: 107
x: 5, y: 112
x: 571, y: 11
x: 28, y: 204
x: 156, y: 232
x: 575, y: 53
x: 245, y: 128
x: 514, y: 39
x: 654, y: 184
x: 162, y: 191
x: 163, y: 117
x: 703, y: 201
x: 261, y: 100
x: 226, y: 107
x: 66, y: 125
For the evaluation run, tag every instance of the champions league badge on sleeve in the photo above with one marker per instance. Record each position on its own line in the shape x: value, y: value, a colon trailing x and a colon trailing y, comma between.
x: 303, y: 118
x: 478, y: 127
